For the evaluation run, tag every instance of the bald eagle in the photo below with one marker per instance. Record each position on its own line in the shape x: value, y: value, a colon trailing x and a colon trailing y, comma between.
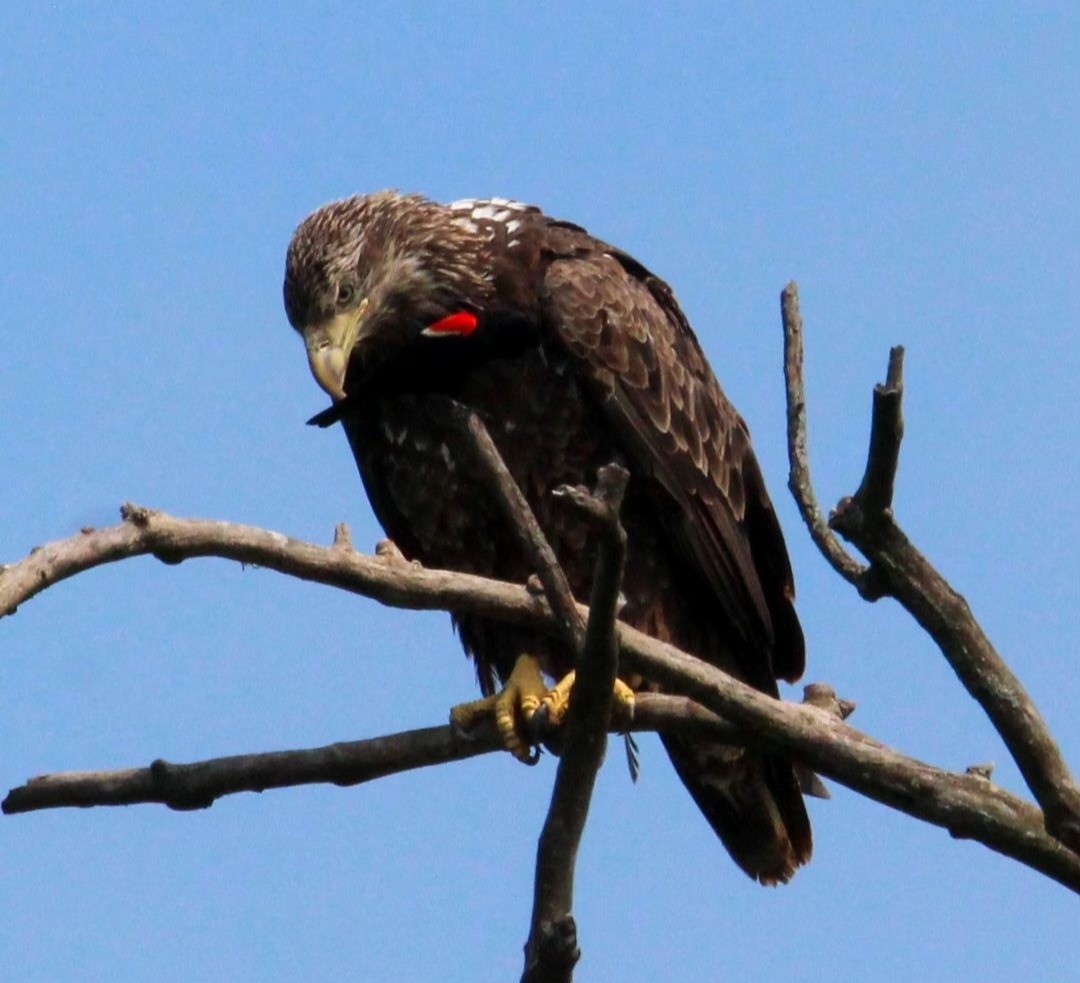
x: 574, y: 355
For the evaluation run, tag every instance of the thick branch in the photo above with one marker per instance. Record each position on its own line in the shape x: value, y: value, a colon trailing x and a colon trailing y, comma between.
x: 551, y: 951
x: 970, y: 807
x: 899, y: 570
x: 990, y: 815
x: 384, y: 578
x: 199, y: 785
x: 958, y: 803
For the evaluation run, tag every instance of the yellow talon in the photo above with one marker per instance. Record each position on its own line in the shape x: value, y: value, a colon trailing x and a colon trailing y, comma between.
x: 511, y: 708
x: 524, y: 694
x: 465, y: 716
x: 557, y: 701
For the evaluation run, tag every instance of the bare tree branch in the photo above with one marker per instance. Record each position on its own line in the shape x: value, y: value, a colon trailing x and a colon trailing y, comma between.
x: 551, y: 951
x: 383, y: 578
x: 1002, y: 822
x: 798, y: 455
x: 897, y: 569
x: 966, y: 806
x: 814, y: 736
x: 200, y: 784
x: 875, y: 492
x: 519, y: 517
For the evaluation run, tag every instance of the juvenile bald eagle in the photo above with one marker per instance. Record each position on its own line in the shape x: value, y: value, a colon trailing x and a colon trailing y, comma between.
x: 574, y: 355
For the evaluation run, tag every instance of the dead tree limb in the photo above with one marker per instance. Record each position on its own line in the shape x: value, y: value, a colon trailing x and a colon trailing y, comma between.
x: 963, y: 805
x: 897, y: 569
x: 519, y: 517
x: 199, y: 784
x: 799, y: 482
x: 551, y: 951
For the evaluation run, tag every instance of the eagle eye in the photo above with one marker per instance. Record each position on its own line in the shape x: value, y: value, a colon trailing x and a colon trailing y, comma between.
x: 345, y: 295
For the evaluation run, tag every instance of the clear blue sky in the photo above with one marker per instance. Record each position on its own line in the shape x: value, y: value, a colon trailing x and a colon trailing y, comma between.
x: 914, y: 168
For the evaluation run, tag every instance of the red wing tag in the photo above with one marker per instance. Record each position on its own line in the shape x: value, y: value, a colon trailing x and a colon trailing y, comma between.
x: 460, y: 325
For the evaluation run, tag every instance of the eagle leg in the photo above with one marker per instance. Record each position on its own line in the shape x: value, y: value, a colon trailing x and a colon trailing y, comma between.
x: 557, y: 700
x: 511, y: 708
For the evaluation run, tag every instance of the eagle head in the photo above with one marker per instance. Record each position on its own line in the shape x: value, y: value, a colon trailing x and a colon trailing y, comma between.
x: 366, y: 277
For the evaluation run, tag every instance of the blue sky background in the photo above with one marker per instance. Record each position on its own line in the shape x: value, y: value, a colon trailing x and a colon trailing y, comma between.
x: 915, y: 169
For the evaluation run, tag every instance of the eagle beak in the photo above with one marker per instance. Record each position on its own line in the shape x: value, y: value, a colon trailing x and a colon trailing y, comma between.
x: 329, y: 346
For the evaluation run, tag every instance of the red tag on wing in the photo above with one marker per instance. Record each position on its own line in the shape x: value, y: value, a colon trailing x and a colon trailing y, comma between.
x: 462, y: 324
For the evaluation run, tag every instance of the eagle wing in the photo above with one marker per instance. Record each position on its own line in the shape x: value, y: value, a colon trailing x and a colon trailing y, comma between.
x: 640, y: 356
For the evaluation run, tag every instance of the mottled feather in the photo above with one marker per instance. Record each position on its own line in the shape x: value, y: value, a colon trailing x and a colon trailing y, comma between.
x: 581, y: 355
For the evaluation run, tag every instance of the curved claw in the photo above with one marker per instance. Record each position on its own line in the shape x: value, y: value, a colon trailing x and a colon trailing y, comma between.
x: 557, y: 701
x: 511, y: 709
x: 538, y: 723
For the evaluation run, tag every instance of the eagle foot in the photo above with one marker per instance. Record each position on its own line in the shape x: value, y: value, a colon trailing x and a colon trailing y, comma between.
x: 556, y: 702
x: 511, y: 709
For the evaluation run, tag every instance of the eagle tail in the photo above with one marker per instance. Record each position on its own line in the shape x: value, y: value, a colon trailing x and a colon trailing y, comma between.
x: 753, y: 803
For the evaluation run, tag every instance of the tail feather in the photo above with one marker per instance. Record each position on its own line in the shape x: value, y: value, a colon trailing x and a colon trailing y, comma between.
x: 752, y: 801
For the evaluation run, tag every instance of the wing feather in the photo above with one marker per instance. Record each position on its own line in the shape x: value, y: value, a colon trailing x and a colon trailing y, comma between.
x: 642, y: 359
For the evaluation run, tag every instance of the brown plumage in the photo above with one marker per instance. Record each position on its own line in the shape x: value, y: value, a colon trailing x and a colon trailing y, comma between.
x: 579, y: 356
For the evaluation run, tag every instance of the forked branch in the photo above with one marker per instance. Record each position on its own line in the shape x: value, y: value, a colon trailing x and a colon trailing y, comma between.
x: 963, y: 805
x: 897, y: 569
x: 967, y: 805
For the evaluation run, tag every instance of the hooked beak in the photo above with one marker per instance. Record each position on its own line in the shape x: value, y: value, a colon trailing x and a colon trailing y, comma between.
x: 329, y: 346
